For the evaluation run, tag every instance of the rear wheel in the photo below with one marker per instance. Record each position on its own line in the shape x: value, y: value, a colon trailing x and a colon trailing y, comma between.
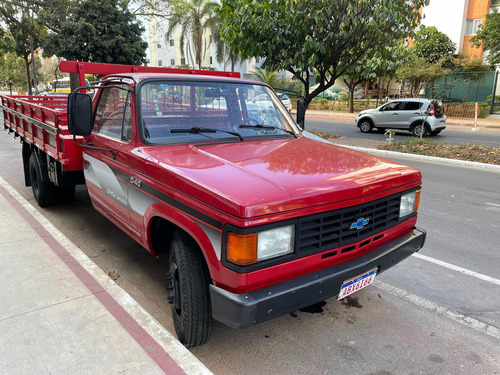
x: 365, y: 126
x: 417, y: 129
x: 43, y: 191
x: 188, y: 283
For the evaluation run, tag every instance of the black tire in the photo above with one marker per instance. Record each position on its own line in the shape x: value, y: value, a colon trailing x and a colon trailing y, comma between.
x: 43, y: 191
x: 436, y: 132
x: 365, y: 125
x: 65, y: 194
x: 188, y: 284
x: 417, y: 128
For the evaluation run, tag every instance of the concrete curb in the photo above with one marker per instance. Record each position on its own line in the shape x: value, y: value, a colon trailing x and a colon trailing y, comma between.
x: 461, y: 163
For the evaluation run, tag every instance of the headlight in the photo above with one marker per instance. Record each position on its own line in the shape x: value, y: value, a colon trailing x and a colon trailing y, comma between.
x: 274, y: 242
x: 409, y: 203
x: 245, y: 249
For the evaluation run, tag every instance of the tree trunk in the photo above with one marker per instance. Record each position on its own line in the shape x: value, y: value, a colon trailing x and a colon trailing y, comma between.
x: 351, y: 100
x: 28, y: 75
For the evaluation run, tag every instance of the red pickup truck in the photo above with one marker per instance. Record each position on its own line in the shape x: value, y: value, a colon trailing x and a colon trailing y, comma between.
x: 257, y: 218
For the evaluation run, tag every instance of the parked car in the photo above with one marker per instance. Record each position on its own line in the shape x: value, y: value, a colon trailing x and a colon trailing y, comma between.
x: 286, y: 101
x: 405, y: 114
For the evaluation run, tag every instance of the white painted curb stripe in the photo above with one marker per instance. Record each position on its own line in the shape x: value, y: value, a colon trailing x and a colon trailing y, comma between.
x: 465, y: 271
x: 461, y: 163
x: 184, y: 358
x: 443, y: 311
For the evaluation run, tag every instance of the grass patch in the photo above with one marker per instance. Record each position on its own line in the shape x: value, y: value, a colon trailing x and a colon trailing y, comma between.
x: 477, y: 153
x: 324, y: 135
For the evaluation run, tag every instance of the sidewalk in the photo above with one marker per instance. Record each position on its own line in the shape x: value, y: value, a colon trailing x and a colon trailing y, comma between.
x: 487, y: 123
x: 61, y: 314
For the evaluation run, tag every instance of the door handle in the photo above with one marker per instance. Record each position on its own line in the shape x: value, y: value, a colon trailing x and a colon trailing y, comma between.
x: 394, y: 114
x: 416, y: 113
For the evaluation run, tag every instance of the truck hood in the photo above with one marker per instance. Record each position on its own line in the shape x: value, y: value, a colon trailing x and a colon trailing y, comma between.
x: 255, y: 178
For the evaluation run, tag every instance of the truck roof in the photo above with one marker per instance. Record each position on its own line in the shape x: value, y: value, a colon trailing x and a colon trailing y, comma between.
x: 82, y: 68
x: 137, y: 77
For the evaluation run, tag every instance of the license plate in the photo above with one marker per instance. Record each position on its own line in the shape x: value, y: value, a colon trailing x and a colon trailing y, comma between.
x: 356, y: 283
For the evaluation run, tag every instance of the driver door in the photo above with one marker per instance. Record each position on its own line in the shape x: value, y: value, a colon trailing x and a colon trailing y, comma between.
x: 389, y: 115
x: 107, y: 171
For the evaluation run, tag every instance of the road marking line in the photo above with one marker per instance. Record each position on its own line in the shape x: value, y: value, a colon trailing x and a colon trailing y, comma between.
x: 493, y: 204
x: 174, y: 349
x: 477, y: 275
x: 441, y: 310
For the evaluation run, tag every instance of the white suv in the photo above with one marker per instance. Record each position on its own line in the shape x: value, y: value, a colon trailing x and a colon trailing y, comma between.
x: 404, y: 114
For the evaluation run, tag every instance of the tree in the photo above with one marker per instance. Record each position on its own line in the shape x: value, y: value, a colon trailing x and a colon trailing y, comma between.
x: 271, y: 78
x: 194, y: 17
x: 380, y: 63
x: 433, y: 45
x: 489, y: 36
x: 12, y: 71
x: 102, y: 31
x: 24, y: 32
x: 323, y: 35
x: 418, y: 72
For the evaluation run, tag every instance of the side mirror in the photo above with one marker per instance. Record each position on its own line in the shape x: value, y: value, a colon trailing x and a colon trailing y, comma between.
x: 301, y: 112
x: 79, y: 114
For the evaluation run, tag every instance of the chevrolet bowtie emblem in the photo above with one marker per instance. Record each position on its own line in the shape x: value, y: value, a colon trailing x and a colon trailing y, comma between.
x: 360, y: 224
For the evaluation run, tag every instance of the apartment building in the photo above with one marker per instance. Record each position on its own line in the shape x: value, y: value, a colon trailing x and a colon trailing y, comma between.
x: 459, y: 19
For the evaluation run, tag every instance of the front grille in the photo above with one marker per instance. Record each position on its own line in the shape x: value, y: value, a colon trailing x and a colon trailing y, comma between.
x: 332, y: 229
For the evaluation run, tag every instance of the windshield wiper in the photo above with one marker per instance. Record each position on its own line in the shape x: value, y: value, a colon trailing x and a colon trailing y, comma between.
x: 259, y: 126
x: 205, y: 130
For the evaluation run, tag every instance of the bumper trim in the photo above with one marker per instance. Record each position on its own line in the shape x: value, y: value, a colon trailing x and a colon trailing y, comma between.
x: 243, y: 310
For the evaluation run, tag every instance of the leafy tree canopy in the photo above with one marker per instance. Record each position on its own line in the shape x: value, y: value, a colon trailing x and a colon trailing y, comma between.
x: 419, y: 72
x: 433, y: 45
x: 323, y: 35
x: 12, y: 72
x: 489, y: 36
x: 102, y: 31
x: 382, y: 62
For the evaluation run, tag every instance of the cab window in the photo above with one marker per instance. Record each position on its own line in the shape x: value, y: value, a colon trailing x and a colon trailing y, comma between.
x: 393, y: 106
x: 412, y: 106
x: 113, y: 115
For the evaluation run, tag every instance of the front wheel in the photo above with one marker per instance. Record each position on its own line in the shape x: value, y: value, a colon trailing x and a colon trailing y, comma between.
x: 188, y: 283
x: 365, y: 126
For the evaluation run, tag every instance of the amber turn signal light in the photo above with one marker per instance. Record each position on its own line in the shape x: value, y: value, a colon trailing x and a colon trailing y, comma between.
x: 417, y: 200
x: 241, y: 248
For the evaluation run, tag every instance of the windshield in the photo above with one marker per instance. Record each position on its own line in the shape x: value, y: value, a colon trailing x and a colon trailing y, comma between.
x: 188, y: 111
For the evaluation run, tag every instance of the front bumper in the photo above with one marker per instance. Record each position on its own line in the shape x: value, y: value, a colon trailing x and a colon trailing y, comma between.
x: 243, y: 310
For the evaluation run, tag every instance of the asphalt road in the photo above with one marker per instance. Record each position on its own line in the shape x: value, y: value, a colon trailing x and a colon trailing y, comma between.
x: 346, y: 128
x: 421, y: 317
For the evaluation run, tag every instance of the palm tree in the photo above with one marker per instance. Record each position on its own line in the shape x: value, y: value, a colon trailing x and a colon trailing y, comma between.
x: 271, y: 78
x: 194, y: 17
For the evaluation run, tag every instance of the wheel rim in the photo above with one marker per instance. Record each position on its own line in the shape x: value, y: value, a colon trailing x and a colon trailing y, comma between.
x: 175, y: 288
x: 416, y: 130
x: 365, y: 126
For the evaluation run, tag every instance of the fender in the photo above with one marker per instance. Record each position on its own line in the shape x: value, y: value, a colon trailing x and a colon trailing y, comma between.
x: 206, y: 238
